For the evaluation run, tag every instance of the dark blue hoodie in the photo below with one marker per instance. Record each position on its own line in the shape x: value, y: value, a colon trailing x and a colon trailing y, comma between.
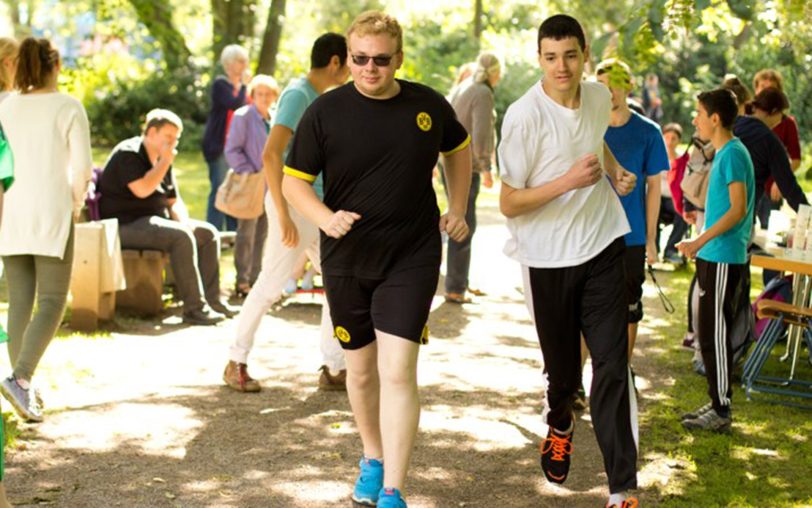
x: 769, y: 159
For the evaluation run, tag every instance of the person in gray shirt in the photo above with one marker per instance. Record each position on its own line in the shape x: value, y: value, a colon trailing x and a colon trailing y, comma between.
x: 474, y: 105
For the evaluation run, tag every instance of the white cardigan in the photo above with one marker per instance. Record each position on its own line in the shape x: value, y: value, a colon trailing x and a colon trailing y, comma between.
x: 50, y: 140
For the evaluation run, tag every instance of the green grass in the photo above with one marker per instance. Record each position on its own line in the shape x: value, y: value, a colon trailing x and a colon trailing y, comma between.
x: 766, y: 460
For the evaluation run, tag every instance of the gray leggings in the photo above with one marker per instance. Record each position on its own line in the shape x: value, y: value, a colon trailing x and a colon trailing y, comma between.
x: 47, y: 280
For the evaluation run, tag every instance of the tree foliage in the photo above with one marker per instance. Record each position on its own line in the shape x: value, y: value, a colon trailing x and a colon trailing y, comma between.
x: 156, y: 16
x: 690, y: 44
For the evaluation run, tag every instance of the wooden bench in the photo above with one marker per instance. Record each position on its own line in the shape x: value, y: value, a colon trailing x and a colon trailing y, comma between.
x: 793, y: 314
x: 144, y: 272
x: 100, y: 269
x: 97, y: 273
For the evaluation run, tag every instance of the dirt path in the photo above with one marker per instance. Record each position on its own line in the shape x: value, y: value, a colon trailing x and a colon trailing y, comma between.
x: 141, y: 419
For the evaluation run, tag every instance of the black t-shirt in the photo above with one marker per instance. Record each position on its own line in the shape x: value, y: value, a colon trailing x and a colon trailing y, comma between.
x: 377, y: 157
x: 128, y: 163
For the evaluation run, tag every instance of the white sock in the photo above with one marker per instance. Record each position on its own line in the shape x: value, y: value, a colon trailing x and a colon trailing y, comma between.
x: 617, y: 499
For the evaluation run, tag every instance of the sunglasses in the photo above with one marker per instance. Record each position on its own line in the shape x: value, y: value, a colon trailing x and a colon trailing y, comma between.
x: 379, y: 61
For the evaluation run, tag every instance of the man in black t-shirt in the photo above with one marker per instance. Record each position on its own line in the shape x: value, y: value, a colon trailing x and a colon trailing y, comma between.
x: 376, y: 141
x: 139, y: 189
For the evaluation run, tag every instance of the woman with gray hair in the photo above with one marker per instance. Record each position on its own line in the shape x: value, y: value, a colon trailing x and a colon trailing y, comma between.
x: 228, y: 93
x: 474, y: 104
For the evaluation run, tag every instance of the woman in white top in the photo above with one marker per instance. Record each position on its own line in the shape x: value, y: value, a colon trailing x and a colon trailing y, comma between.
x: 8, y: 64
x: 50, y: 139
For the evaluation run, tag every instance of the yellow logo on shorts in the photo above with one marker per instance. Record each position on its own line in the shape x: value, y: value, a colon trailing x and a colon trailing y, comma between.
x: 424, y: 121
x: 424, y: 337
x: 342, y: 334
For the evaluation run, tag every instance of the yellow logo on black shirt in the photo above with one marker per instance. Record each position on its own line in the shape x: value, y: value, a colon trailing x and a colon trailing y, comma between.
x: 424, y: 121
x: 342, y: 334
x: 424, y: 337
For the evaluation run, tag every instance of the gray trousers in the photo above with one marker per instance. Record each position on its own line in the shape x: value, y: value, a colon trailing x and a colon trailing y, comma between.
x: 251, y: 235
x: 458, y: 256
x: 45, y: 279
x: 194, y: 253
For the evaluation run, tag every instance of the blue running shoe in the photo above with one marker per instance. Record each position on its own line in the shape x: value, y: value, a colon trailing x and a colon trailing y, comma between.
x: 369, y: 482
x: 390, y: 498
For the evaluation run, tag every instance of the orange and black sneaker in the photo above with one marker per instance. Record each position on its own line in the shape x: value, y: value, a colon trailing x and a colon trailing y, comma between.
x: 555, y: 455
x: 630, y: 502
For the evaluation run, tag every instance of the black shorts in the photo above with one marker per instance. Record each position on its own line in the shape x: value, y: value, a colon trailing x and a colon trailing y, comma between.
x: 398, y: 305
x: 634, y: 262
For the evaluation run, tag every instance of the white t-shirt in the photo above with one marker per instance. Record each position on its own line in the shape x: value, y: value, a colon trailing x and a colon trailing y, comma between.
x: 541, y: 140
x: 665, y: 189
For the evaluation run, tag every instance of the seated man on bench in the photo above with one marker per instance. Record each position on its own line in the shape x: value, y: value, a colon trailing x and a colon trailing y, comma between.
x: 139, y: 189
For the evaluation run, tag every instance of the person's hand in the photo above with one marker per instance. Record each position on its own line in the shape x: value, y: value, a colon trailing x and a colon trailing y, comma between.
x: 689, y: 248
x: 290, y: 235
x: 167, y: 153
x: 690, y: 217
x: 340, y: 223
x: 775, y: 193
x: 625, y: 184
x: 487, y: 179
x: 651, y: 253
x: 585, y: 172
x: 454, y: 224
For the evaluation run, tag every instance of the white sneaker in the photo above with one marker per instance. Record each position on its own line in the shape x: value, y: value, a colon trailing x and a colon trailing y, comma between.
x: 26, y: 405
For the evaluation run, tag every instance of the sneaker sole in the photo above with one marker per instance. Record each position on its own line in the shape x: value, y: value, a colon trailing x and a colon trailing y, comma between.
x: 724, y: 429
x: 551, y: 478
x: 363, y: 503
x: 23, y: 413
x: 690, y: 416
x: 244, y: 390
x: 241, y: 389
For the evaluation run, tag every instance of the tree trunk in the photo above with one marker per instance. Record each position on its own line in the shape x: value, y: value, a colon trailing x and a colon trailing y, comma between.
x: 156, y: 15
x: 478, y: 20
x: 270, y: 39
x: 21, y: 30
x: 232, y: 23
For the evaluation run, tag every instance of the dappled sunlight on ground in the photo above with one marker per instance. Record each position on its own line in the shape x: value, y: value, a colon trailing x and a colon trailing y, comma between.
x: 154, y: 428
x: 482, y: 433
x: 311, y: 491
x: 142, y: 418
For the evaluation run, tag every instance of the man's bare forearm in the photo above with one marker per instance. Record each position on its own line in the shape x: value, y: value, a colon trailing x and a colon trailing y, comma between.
x: 273, y: 176
x: 304, y: 199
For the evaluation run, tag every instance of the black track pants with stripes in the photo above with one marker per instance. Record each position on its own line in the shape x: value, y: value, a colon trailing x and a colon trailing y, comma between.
x: 719, y: 285
x: 589, y: 298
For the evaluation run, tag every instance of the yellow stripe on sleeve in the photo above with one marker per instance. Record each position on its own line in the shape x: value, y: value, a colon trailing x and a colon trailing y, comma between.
x: 299, y: 174
x: 461, y: 147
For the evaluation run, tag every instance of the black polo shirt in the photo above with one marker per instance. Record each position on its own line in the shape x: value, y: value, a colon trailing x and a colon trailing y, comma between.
x: 127, y: 163
x: 377, y: 158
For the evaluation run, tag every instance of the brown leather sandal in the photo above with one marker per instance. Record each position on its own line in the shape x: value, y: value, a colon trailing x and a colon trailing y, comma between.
x: 457, y: 298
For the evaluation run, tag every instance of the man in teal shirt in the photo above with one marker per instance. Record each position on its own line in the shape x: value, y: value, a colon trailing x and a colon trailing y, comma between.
x: 289, y: 234
x: 721, y: 253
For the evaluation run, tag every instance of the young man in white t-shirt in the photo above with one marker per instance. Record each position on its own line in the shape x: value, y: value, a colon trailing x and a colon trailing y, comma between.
x: 567, y: 226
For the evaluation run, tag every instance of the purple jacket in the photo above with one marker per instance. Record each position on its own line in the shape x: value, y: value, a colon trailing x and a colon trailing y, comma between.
x: 246, y: 139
